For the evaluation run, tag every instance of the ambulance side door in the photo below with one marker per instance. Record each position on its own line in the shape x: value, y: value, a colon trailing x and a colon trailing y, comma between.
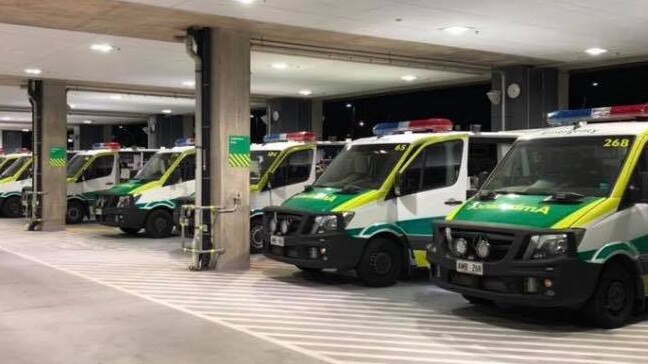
x: 430, y: 186
x: 295, y: 171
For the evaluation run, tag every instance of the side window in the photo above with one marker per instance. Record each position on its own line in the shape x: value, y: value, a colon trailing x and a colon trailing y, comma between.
x: 186, y: 171
x: 437, y: 166
x: 634, y: 192
x: 27, y: 173
x: 296, y: 168
x: 101, y: 167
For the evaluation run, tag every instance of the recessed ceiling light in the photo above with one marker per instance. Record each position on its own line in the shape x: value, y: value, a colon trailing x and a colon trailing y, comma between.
x: 280, y: 66
x: 70, y: 140
x: 409, y: 78
x: 595, y: 51
x: 595, y: 84
x: 6, y: 118
x: 103, y: 48
x: 361, y: 124
x: 167, y: 111
x: 349, y: 106
x: 33, y: 71
x: 87, y: 121
x: 189, y: 83
x: 456, y: 29
x: 246, y: 1
x: 25, y: 130
x: 116, y: 97
x: 72, y: 106
x: 305, y: 92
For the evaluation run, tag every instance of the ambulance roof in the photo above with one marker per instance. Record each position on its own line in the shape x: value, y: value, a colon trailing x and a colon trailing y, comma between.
x: 177, y: 149
x: 616, y: 128
x: 408, y: 138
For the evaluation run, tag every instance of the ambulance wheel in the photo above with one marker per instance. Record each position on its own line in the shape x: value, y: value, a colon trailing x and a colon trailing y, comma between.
x: 256, y: 235
x: 381, y: 264
x: 12, y: 207
x: 75, y: 212
x: 614, y: 298
x: 476, y: 300
x: 159, y: 224
x: 130, y: 231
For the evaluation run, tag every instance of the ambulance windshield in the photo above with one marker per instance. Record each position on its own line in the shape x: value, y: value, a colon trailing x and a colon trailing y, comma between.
x: 261, y: 161
x: 586, y: 166
x: 362, y: 166
x: 76, y: 164
x: 157, y: 166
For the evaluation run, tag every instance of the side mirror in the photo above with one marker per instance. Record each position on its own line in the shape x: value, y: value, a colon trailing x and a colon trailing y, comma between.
x: 397, y: 183
x: 481, y: 179
x: 308, y: 188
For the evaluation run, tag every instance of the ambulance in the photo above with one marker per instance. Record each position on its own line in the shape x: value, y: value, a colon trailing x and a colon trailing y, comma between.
x: 372, y: 209
x: 14, y: 176
x: 281, y: 167
x: 147, y: 201
x: 561, y: 222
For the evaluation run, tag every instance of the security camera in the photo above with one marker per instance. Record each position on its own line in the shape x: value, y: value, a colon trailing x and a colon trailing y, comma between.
x: 495, y: 96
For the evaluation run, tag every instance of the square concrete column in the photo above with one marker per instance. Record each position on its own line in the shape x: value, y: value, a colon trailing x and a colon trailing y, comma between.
x: 54, y: 136
x: 230, y: 101
x: 317, y: 118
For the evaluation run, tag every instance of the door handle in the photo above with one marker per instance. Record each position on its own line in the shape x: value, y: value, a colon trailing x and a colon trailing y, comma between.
x: 453, y: 202
x: 109, y: 184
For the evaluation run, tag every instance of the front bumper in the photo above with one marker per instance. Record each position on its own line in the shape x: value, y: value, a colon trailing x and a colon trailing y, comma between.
x: 558, y: 282
x: 335, y: 250
x: 121, y: 217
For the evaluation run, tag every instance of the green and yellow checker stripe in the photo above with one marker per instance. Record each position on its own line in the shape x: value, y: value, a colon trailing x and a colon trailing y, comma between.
x: 57, y: 162
x: 239, y: 160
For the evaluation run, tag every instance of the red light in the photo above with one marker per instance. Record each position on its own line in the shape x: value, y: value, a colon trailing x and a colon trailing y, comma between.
x: 434, y: 124
x: 2, y: 151
x: 301, y: 136
x: 639, y: 110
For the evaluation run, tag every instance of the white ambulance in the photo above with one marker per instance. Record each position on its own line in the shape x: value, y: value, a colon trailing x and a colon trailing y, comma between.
x: 15, y: 174
x: 373, y: 208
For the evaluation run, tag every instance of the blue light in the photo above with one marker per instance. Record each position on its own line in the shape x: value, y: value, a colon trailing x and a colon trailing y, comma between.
x: 185, y: 142
x: 568, y: 117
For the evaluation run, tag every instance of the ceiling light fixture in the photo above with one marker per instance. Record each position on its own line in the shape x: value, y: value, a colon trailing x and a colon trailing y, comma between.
x: 305, y: 92
x: 409, y: 78
x: 33, y: 71
x: 103, y: 48
x: 87, y: 121
x: 6, y: 118
x: 116, y: 97
x: 25, y: 130
x: 167, y: 111
x: 595, y: 51
x: 280, y: 66
x: 189, y: 83
x: 456, y: 29
x: 349, y: 106
x: 72, y: 106
x: 246, y: 1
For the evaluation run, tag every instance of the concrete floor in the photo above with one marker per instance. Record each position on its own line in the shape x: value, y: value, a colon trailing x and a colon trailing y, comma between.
x: 92, y: 295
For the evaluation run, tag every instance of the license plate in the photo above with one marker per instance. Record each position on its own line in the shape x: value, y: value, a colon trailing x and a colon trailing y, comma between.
x: 277, y: 240
x: 98, y: 212
x: 468, y: 267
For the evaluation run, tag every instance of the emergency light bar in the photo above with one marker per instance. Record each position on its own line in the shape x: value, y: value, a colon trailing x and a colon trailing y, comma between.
x: 599, y: 114
x: 186, y: 142
x: 22, y: 150
x: 300, y: 136
x: 414, y: 126
x: 2, y: 151
x: 111, y: 145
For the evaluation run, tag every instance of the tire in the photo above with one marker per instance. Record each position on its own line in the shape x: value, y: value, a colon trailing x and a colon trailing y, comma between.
x: 159, y: 224
x: 12, y: 207
x: 130, y: 231
x: 614, y: 298
x: 477, y: 300
x: 75, y: 212
x: 256, y: 235
x: 381, y: 263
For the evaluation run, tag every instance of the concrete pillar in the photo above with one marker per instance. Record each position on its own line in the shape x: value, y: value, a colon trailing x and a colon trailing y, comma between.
x: 152, y: 132
x: 527, y: 94
x: 230, y: 116
x: 289, y: 114
x: 317, y: 118
x: 563, y: 90
x: 54, y: 135
x: 188, y: 128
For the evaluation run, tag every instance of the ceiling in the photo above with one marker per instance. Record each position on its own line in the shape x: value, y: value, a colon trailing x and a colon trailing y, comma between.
x: 556, y: 30
x: 67, y: 55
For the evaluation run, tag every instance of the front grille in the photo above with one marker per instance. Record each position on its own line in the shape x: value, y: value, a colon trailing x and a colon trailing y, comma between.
x: 500, y: 243
x: 285, y: 224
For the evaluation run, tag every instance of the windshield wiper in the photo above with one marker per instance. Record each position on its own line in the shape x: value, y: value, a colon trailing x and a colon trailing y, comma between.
x: 351, y: 189
x: 565, y: 197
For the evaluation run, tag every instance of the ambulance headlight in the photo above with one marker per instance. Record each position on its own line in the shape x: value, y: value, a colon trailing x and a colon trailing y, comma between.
x: 547, y: 246
x: 125, y: 201
x: 330, y: 223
